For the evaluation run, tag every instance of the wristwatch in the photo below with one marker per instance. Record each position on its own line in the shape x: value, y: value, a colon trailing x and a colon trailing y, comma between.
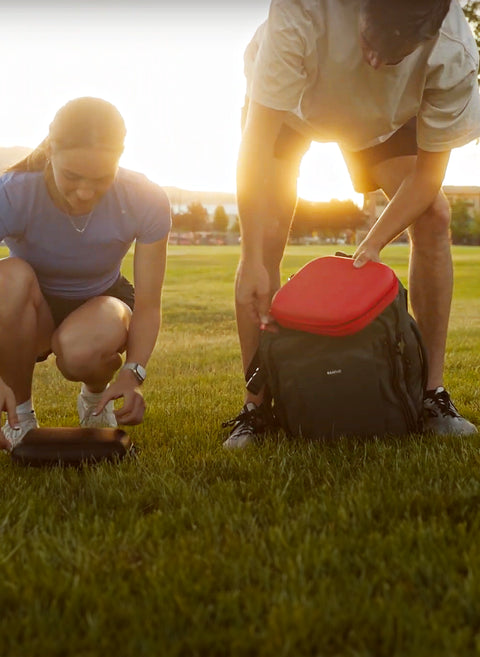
x: 139, y: 371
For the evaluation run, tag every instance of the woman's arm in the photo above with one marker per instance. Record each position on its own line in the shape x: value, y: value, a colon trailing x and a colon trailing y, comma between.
x: 149, y: 271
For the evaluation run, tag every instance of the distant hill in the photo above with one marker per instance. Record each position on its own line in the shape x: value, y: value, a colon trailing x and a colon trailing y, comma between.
x: 11, y: 154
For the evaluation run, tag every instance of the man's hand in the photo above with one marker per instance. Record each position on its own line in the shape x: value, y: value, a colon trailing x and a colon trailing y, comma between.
x: 365, y: 253
x: 126, y: 387
x: 253, y: 291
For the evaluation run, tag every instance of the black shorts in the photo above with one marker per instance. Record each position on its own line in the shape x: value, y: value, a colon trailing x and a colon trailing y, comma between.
x: 359, y: 163
x: 293, y: 145
x: 60, y: 307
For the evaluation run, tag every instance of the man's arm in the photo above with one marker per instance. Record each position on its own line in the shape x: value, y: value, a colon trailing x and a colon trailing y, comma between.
x: 414, y: 196
x: 257, y: 197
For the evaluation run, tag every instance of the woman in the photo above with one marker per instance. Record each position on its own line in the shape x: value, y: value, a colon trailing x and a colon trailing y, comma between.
x: 69, y: 215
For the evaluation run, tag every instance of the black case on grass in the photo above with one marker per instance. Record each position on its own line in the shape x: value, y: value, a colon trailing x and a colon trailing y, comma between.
x: 72, y: 446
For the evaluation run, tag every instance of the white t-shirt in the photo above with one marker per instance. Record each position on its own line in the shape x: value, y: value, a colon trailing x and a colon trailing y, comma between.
x: 306, y: 59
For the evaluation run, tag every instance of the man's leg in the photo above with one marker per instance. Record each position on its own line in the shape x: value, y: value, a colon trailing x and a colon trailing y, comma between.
x: 251, y: 420
x: 273, y: 250
x: 430, y: 281
x: 430, y: 271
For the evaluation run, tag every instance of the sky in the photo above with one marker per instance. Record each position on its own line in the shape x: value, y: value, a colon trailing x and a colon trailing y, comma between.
x: 174, y: 69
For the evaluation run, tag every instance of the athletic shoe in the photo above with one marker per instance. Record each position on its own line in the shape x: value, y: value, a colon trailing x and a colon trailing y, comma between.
x: 441, y: 417
x: 26, y: 422
x: 86, y: 407
x: 251, y: 421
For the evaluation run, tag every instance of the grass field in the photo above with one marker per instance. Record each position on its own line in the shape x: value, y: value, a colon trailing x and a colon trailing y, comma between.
x: 353, y: 548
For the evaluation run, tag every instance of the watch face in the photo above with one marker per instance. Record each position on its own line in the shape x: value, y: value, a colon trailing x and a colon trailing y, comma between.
x: 138, y: 370
x: 138, y: 373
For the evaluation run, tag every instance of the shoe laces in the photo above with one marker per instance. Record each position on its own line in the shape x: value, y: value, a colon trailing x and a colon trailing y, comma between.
x: 441, y: 400
x: 26, y: 422
x: 251, y: 419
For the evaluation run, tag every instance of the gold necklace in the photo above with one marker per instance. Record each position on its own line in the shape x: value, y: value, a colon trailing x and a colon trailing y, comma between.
x: 60, y: 203
x: 85, y: 225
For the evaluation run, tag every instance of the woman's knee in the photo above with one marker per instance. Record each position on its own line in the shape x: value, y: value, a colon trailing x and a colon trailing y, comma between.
x: 18, y: 284
x: 76, y: 358
x: 80, y: 345
x: 16, y: 275
x: 433, y: 227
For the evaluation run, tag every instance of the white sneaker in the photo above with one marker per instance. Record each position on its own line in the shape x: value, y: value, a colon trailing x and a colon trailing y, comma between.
x: 441, y: 416
x: 26, y: 422
x: 249, y: 423
x: 86, y: 407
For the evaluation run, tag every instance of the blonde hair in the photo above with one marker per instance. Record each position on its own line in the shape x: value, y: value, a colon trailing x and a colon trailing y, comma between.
x: 82, y: 122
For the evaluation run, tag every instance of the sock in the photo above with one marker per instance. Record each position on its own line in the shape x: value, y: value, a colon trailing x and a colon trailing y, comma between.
x: 434, y: 391
x: 91, y: 396
x: 25, y: 407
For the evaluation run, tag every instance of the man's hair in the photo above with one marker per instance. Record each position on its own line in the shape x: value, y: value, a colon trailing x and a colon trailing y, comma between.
x: 401, y: 22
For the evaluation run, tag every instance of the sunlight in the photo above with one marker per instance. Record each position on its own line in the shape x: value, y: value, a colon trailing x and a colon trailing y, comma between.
x: 324, y: 176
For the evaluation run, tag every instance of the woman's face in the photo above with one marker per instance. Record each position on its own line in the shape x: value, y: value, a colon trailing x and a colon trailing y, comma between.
x: 81, y: 177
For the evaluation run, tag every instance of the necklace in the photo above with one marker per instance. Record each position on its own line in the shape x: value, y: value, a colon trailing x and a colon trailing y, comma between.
x: 60, y: 203
x: 85, y: 225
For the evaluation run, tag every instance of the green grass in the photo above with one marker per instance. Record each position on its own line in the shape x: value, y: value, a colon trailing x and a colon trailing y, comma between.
x: 351, y: 548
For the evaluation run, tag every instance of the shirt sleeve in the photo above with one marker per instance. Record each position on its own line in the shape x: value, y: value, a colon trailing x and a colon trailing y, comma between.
x: 450, y: 112
x: 156, y: 219
x: 277, y: 77
x: 10, y: 224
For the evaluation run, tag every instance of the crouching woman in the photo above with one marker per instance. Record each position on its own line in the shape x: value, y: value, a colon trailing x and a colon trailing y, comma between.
x: 69, y: 215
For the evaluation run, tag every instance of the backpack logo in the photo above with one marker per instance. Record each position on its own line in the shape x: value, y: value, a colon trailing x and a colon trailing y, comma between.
x: 334, y: 372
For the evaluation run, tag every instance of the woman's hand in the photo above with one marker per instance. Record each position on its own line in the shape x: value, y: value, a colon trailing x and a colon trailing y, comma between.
x: 126, y: 387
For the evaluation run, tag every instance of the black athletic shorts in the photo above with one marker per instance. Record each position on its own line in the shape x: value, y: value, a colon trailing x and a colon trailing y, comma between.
x: 60, y: 307
x: 359, y: 163
x: 293, y: 145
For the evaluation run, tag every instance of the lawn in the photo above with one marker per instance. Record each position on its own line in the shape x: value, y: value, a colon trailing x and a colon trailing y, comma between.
x: 353, y: 548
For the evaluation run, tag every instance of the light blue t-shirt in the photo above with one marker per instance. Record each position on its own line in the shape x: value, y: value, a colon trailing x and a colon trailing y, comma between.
x: 68, y: 263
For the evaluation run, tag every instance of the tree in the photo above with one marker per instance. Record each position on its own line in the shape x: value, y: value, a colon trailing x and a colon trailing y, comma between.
x: 330, y: 220
x: 472, y: 13
x: 220, y: 219
x: 462, y: 223
x: 475, y: 234
x: 235, y: 227
x: 194, y: 219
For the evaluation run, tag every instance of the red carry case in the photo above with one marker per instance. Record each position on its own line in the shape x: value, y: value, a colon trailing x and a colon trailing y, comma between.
x: 329, y: 296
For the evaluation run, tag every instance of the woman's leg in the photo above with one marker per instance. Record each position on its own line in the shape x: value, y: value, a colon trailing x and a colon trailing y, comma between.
x: 88, y: 343
x: 26, y: 326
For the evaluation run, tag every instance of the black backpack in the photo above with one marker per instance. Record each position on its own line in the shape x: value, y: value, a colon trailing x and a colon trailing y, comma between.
x: 371, y: 382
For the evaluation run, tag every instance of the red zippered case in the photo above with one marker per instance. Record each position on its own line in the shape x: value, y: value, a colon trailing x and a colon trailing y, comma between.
x: 329, y: 296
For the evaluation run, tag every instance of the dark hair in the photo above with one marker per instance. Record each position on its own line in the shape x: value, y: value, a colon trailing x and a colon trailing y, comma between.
x: 82, y: 122
x: 397, y: 23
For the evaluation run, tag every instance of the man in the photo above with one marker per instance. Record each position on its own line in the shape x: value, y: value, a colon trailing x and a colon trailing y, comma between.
x: 394, y: 83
